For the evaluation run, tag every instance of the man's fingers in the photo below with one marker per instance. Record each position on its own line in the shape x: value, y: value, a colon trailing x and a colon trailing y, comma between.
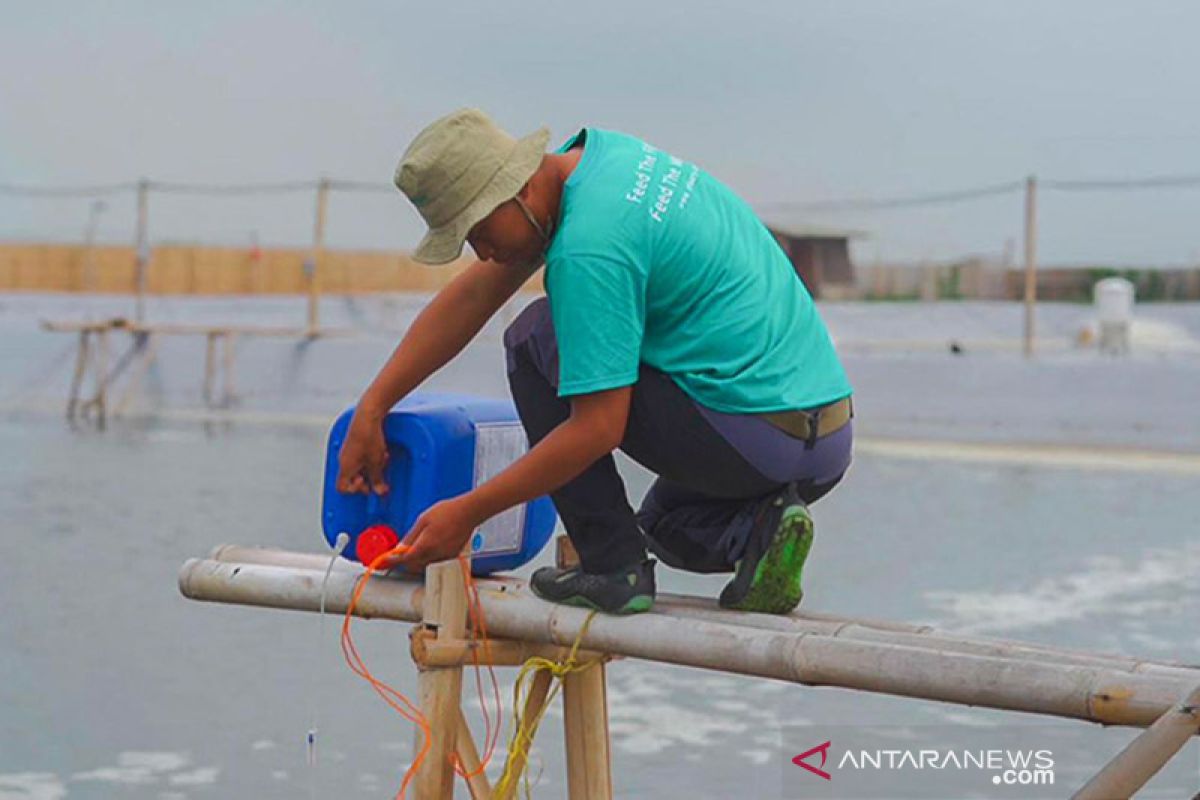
x: 351, y: 484
x: 375, y: 473
x: 413, y: 536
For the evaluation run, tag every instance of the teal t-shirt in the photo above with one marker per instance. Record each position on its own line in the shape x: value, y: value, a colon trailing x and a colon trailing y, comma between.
x: 656, y: 261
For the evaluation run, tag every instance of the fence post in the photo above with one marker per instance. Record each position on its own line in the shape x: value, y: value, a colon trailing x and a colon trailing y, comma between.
x: 1030, y: 260
x: 143, y: 248
x: 312, y: 267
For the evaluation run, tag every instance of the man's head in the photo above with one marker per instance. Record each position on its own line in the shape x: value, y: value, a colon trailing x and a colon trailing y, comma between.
x: 472, y: 181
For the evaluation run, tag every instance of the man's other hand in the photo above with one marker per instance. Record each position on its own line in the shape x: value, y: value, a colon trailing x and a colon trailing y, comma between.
x: 364, y: 456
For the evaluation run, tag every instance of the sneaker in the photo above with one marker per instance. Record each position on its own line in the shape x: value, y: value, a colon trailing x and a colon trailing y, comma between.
x: 767, y: 577
x: 626, y: 591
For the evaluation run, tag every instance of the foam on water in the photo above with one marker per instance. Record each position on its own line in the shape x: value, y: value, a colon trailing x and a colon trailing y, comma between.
x: 1103, y: 586
x: 135, y: 767
x: 31, y: 786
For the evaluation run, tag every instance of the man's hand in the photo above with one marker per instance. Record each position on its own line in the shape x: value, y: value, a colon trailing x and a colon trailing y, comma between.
x: 438, y: 534
x: 364, y: 455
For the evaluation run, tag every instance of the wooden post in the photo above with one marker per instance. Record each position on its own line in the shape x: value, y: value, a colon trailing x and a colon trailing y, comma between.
x: 143, y: 248
x: 87, y: 277
x: 81, y: 363
x: 585, y: 717
x: 227, y: 394
x: 539, y: 687
x: 468, y: 756
x: 101, y: 400
x: 1030, y: 260
x: 210, y: 367
x: 445, y: 612
x: 1149, y: 752
x: 585, y: 721
x: 312, y: 267
x: 147, y: 344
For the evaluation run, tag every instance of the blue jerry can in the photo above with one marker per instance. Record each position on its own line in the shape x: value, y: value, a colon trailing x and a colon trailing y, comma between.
x: 441, y: 445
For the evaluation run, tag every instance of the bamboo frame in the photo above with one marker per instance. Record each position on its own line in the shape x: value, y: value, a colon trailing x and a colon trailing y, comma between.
x: 811, y: 649
x: 93, y: 356
x: 685, y: 608
x: 1113, y: 693
x: 439, y: 650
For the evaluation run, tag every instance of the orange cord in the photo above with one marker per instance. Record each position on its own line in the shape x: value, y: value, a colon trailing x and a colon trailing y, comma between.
x: 405, y: 707
x: 491, y: 736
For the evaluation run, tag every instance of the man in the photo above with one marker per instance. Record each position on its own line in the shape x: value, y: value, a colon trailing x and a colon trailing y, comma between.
x: 674, y: 328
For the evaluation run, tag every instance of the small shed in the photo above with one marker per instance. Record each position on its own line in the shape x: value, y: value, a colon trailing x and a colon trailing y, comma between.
x: 821, y: 256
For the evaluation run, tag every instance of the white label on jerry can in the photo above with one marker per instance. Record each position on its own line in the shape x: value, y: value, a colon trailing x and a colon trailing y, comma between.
x: 498, y: 444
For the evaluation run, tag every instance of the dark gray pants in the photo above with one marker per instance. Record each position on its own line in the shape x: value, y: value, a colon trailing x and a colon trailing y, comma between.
x: 714, y: 469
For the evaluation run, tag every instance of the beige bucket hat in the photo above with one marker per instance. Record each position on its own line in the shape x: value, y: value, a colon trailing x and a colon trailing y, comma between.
x: 458, y: 170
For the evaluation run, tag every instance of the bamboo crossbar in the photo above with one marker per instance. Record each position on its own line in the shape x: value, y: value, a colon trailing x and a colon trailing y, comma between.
x: 186, y: 329
x: 813, y: 650
x: 691, y: 607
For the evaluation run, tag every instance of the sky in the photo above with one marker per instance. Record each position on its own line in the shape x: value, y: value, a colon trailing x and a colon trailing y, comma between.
x: 787, y: 101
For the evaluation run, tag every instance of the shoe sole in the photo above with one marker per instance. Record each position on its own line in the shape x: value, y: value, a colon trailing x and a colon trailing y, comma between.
x: 634, y: 605
x: 775, y: 587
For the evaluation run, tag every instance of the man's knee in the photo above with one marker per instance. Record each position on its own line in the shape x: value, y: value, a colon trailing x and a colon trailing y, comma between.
x: 531, y: 335
x: 532, y: 317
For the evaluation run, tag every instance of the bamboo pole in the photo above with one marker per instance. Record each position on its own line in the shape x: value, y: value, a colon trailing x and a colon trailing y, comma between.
x: 440, y: 688
x: 585, y: 723
x: 1149, y: 752
x: 101, y: 372
x: 539, y: 687
x: 585, y: 716
x: 210, y: 368
x: 82, y: 358
x: 913, y: 635
x: 468, y: 756
x: 228, y: 392
x: 313, y: 265
x: 149, y: 347
x: 1098, y: 694
x: 143, y: 248
x: 1030, y: 261
x: 87, y: 278
x: 686, y: 607
x: 500, y: 652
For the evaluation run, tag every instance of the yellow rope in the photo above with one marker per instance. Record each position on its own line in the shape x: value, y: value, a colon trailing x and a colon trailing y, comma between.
x: 516, y: 765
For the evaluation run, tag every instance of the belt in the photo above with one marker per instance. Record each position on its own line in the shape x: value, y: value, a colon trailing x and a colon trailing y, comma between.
x: 811, y: 423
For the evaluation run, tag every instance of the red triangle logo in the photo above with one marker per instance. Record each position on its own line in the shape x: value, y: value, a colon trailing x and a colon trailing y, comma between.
x: 823, y: 749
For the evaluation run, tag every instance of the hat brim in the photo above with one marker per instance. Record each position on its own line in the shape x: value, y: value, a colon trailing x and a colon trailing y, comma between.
x: 444, y: 244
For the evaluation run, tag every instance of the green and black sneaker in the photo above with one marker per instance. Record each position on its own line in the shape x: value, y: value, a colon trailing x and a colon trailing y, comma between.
x: 626, y: 591
x: 767, y: 577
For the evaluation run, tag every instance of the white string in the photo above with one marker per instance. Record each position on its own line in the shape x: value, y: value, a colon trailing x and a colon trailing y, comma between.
x: 343, y: 540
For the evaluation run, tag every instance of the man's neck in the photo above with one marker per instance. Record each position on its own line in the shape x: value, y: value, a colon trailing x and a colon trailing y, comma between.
x: 558, y: 167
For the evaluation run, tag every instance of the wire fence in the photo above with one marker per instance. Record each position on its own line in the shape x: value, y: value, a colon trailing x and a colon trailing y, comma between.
x: 919, y: 227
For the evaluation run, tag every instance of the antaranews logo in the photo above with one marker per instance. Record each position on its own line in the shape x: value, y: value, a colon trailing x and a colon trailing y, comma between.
x: 1003, y: 767
x: 823, y: 749
x: 949, y: 761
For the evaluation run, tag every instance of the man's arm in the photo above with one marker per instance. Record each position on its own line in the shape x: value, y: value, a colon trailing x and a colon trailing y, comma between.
x: 594, y: 429
x: 440, y: 331
x: 443, y: 328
